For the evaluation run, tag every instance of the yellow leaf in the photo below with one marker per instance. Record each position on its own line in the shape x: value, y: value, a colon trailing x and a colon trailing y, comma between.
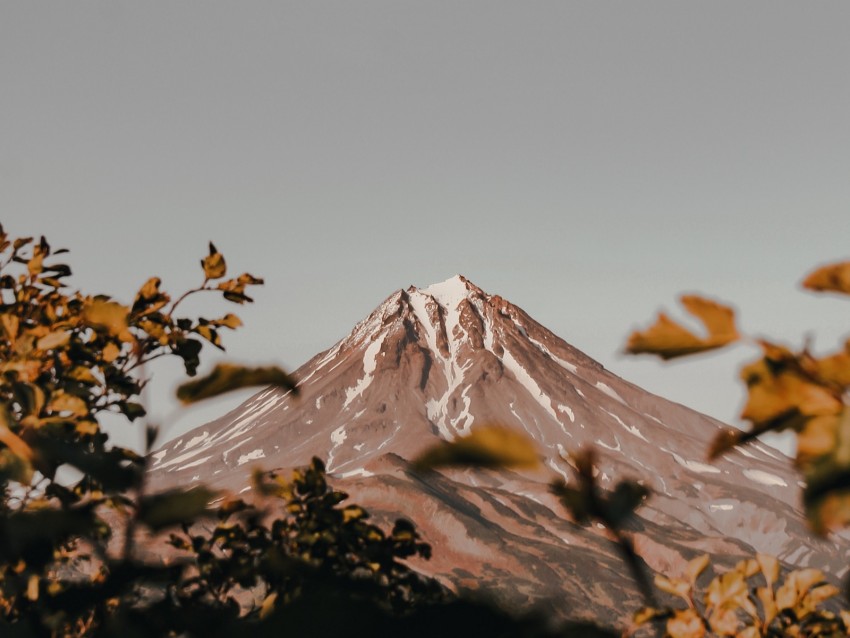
x: 645, y: 615
x: 727, y: 589
x: 87, y: 427
x: 818, y: 436
x: 768, y: 603
x: 214, y: 265
x: 831, y: 512
x: 209, y: 334
x: 353, y: 513
x: 55, y: 339
x: 835, y: 368
x: 229, y: 321
x: 268, y: 605
x: 748, y: 567
x: 150, y: 289
x: 16, y: 444
x: 226, y: 377
x: 490, y: 446
x: 63, y: 402
x: 696, y: 567
x: 110, y: 352
x: 815, y: 598
x: 779, y: 389
x: 28, y: 370
x: 795, y: 587
x: 685, y: 624
x: 769, y: 568
x: 35, y: 264
x: 845, y: 616
x: 668, y: 339
x: 111, y: 316
x: 724, y: 621
x: 804, y: 579
x: 786, y: 597
x: 154, y: 329
x: 673, y: 586
x: 826, y: 496
x: 830, y: 278
x: 32, y: 587
x: 10, y: 326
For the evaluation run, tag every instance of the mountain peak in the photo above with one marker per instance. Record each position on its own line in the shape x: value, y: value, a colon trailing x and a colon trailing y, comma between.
x: 451, y: 292
x: 434, y: 363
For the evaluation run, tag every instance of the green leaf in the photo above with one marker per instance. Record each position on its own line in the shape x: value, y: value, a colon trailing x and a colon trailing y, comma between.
x: 488, y: 447
x: 227, y: 377
x: 175, y: 506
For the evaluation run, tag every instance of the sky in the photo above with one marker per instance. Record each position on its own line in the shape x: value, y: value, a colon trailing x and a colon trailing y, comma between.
x: 587, y: 161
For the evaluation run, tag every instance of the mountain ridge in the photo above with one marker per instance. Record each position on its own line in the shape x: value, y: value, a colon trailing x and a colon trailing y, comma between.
x: 429, y: 364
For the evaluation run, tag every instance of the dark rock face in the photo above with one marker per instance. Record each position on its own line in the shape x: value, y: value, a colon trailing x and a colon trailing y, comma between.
x: 431, y: 364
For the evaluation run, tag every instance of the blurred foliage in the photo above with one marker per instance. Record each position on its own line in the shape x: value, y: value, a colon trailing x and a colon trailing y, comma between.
x: 487, y: 446
x: 79, y: 557
x: 748, y: 601
x: 787, y: 390
x: 98, y: 555
x: 669, y: 340
x: 587, y: 502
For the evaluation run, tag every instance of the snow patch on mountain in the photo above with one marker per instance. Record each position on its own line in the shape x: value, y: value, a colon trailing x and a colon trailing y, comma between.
x: 765, y: 478
x: 528, y: 382
x: 631, y: 429
x: 542, y: 347
x: 609, y: 391
x: 693, y: 466
x: 370, y: 363
x: 448, y: 293
x: 195, y: 463
x: 568, y: 411
x: 355, y: 472
x: 251, y: 456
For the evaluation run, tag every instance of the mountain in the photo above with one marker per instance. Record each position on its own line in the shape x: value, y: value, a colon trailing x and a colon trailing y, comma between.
x: 430, y: 364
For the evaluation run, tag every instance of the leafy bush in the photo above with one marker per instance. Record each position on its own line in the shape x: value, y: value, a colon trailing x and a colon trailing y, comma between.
x: 85, y: 556
x: 70, y: 562
x: 733, y: 605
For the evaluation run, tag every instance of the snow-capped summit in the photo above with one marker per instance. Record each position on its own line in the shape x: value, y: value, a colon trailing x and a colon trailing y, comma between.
x: 451, y: 292
x: 430, y: 364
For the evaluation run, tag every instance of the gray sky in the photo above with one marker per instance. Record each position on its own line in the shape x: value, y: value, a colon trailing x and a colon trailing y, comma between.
x: 587, y: 161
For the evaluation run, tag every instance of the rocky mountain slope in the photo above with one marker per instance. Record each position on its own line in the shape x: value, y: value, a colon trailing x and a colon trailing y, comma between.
x: 433, y: 363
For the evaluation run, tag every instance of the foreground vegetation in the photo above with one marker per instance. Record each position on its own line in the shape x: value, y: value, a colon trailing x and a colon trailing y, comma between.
x: 787, y: 391
x: 77, y: 521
